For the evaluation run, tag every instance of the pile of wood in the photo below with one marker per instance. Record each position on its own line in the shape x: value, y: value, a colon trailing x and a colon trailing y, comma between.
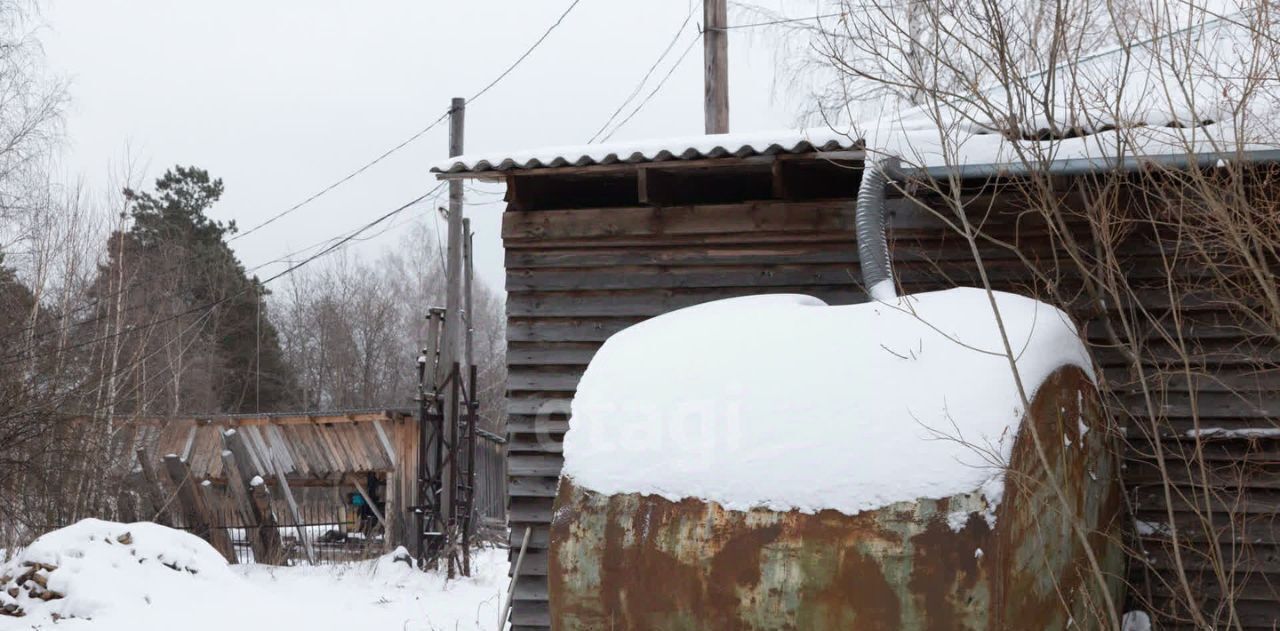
x: 32, y: 581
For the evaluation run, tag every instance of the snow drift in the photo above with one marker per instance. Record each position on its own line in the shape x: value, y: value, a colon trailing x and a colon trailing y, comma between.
x: 783, y: 402
x: 94, y: 565
x: 146, y: 577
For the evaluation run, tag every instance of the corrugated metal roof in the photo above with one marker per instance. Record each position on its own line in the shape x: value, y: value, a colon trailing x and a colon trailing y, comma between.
x: 682, y: 148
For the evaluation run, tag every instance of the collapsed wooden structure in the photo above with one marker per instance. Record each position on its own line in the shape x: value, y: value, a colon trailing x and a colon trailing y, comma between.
x: 358, y: 467
x: 597, y: 241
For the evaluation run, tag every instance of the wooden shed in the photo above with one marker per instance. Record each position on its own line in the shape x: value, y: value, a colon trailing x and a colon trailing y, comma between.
x: 599, y: 238
x: 334, y: 462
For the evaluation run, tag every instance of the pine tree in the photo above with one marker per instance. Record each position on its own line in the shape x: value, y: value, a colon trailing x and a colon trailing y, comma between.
x: 215, y: 345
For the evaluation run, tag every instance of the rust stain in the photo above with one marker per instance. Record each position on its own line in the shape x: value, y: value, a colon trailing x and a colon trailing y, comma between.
x: 947, y: 570
x: 871, y: 596
x: 643, y: 562
x: 1045, y: 580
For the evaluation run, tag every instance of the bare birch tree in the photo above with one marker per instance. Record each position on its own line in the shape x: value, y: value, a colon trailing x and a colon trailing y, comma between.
x: 353, y: 328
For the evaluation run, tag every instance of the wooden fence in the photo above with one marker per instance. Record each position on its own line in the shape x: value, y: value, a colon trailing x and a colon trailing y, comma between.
x: 328, y: 524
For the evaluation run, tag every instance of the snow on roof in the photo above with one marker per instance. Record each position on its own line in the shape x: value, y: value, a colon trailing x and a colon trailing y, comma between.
x: 917, y: 142
x: 1165, y: 96
x: 680, y: 148
x: 1201, y: 92
x: 784, y: 402
x: 1193, y: 79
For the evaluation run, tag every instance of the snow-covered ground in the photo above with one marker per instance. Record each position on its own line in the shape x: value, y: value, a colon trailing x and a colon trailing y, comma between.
x: 157, y: 578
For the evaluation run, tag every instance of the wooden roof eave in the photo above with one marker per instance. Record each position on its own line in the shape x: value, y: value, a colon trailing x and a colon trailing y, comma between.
x: 281, y: 418
x: 573, y: 170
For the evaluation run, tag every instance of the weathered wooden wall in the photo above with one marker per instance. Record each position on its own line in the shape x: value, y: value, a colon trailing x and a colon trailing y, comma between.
x: 574, y: 277
x: 1222, y: 373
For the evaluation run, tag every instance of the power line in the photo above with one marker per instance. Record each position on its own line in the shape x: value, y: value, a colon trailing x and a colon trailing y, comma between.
x: 11, y: 359
x: 420, y: 133
x: 291, y: 255
x: 811, y: 18
x: 526, y: 53
x: 208, y: 309
x: 368, y: 165
x: 365, y: 167
x: 648, y: 73
x: 98, y: 301
x: 655, y: 90
x: 352, y: 175
x: 353, y: 235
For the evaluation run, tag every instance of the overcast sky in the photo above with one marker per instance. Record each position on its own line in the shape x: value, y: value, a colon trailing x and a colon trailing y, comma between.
x: 281, y: 98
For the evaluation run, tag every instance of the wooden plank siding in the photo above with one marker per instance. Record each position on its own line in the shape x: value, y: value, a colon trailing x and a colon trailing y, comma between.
x: 1231, y: 381
x: 575, y: 277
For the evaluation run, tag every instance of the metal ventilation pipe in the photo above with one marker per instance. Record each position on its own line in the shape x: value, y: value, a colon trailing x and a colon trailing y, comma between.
x: 873, y: 245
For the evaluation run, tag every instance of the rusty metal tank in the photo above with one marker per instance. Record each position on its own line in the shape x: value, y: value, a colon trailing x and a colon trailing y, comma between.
x: 628, y: 561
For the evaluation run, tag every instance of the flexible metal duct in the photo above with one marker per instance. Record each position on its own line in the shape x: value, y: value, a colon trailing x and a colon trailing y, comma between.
x: 873, y: 245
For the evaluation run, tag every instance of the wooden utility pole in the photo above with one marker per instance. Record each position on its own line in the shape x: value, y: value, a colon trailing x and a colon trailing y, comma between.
x: 453, y: 299
x: 715, y: 52
x: 468, y: 353
x: 468, y: 442
x: 454, y: 326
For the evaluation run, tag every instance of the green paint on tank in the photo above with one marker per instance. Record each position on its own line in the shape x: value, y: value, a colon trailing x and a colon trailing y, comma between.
x: 643, y: 562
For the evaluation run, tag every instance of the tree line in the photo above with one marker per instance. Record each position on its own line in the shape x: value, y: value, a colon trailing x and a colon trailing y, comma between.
x: 129, y: 307
x: 168, y: 323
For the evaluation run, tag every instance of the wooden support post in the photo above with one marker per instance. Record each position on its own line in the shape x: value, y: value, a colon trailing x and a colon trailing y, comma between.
x: 218, y: 522
x: 268, y: 531
x: 653, y: 186
x: 238, y: 489
x: 377, y: 514
x: 513, y: 196
x: 815, y: 176
x: 525, y: 191
x: 393, y: 497
x: 127, y: 504
x: 155, y: 491
x: 715, y: 52
x: 453, y: 331
x: 294, y: 513
x: 254, y: 501
x: 195, y: 509
x: 778, y: 177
